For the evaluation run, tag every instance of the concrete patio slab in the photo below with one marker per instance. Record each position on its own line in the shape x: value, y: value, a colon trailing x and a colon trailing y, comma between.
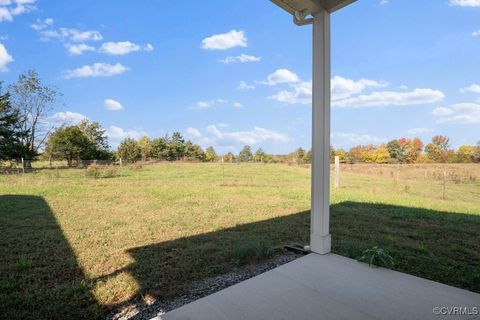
x: 332, y: 287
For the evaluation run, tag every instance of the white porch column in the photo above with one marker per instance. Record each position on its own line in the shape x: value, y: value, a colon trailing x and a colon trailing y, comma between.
x: 320, y: 239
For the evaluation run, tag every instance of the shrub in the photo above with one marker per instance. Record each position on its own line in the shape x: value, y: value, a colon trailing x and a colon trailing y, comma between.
x: 376, y: 256
x: 137, y: 165
x: 96, y: 171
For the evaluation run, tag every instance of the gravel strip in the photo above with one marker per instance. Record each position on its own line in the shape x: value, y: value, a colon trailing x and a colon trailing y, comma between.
x: 148, y: 310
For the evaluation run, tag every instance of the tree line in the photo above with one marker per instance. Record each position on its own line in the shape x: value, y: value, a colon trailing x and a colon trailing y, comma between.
x: 403, y: 150
x: 24, y: 133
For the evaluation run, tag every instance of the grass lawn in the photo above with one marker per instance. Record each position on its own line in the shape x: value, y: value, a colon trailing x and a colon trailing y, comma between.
x: 75, y: 247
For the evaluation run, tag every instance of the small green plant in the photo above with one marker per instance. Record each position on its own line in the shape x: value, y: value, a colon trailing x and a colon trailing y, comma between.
x: 7, y: 286
x: 376, y: 256
x: 80, y: 287
x: 251, y: 251
x: 23, y: 264
x: 96, y: 171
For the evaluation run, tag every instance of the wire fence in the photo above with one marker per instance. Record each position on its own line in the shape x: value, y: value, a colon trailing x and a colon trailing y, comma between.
x: 28, y: 166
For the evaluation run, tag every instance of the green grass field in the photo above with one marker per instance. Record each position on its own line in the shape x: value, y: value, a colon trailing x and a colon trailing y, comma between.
x: 75, y: 247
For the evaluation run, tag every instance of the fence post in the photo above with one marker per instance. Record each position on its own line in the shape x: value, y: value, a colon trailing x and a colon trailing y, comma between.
x: 444, y: 184
x: 23, y: 166
x: 337, y: 172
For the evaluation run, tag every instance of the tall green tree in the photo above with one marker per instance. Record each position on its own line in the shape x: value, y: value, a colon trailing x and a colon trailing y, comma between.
x: 259, y: 154
x: 67, y: 143
x: 129, y: 151
x: 396, y: 152
x: 176, y: 147
x: 194, y: 151
x: 146, y: 147
x: 34, y: 101
x: 159, y: 148
x: 11, y: 133
x: 245, y: 155
x: 98, y: 148
x: 299, y: 155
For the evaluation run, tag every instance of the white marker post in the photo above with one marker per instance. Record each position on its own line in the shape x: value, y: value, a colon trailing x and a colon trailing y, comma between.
x: 337, y: 172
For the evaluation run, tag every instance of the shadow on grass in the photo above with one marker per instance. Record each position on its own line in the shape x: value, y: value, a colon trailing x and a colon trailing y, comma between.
x: 440, y: 246
x: 39, y: 274
x: 437, y: 245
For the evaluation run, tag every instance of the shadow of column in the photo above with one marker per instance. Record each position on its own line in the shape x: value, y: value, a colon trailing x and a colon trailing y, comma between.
x: 40, y: 277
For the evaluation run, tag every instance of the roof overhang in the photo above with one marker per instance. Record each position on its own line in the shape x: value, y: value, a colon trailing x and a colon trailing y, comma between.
x: 300, y: 9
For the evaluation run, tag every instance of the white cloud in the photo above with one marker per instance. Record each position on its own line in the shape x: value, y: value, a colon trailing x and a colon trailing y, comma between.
x: 113, y: 105
x: 301, y: 93
x: 382, y: 2
x: 217, y: 137
x: 5, y: 58
x: 96, y: 70
x: 66, y: 118
x: 461, y: 113
x: 5, y: 15
x: 343, y: 88
x: 419, y: 130
x: 237, y: 105
x: 392, y: 98
x: 442, y: 111
x: 117, y: 134
x: 345, y: 92
x: 148, y: 47
x: 225, y: 41
x: 71, y: 34
x: 78, y: 49
x: 475, y: 88
x: 42, y: 24
x: 79, y: 38
x: 245, y: 86
x: 11, y: 8
x: 202, y: 105
x: 465, y: 3
x: 355, y: 138
x: 195, y: 135
x: 119, y: 48
x: 110, y: 48
x: 194, y: 132
x: 476, y: 33
x: 281, y: 76
x: 240, y: 59
x: 207, y: 104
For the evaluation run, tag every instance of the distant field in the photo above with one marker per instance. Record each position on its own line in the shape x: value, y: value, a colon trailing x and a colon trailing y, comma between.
x: 71, y: 245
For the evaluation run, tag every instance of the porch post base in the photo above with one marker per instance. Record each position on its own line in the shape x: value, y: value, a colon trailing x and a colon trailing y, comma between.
x: 321, y: 244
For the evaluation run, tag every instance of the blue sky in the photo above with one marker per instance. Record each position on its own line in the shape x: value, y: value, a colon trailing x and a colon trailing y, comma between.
x: 230, y: 73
